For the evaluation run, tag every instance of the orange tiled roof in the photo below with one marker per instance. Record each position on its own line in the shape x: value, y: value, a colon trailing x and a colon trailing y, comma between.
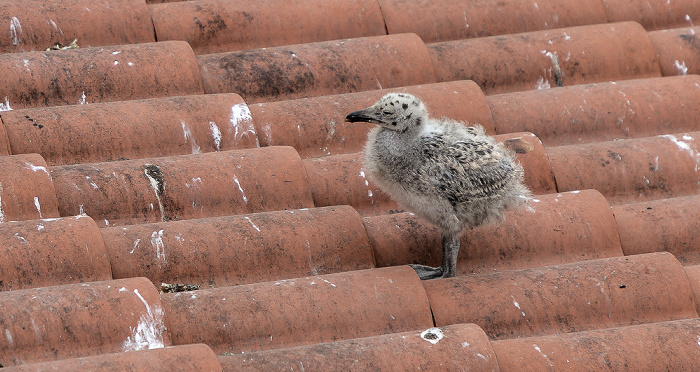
x: 203, y: 143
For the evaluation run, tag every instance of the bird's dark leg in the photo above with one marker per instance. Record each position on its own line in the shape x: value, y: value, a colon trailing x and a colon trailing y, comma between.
x: 427, y: 272
x: 450, y: 249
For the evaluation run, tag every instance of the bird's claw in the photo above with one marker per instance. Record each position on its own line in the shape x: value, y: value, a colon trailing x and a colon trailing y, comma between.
x: 427, y: 272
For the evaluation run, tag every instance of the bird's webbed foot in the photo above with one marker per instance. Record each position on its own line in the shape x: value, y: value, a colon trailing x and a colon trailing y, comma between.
x: 427, y: 272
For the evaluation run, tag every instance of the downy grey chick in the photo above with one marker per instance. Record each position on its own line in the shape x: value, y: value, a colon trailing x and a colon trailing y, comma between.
x: 452, y: 175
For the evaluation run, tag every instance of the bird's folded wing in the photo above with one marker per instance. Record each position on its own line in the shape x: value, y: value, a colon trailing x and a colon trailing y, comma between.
x: 466, y: 170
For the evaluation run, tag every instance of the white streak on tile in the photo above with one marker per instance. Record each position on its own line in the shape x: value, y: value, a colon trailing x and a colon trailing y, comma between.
x: 92, y: 183
x: 148, y: 333
x: 157, y: 243
x: 136, y: 245
x: 8, y: 336
x: 2, y: 211
x: 322, y: 279
x: 216, y: 135
x: 542, y: 83
x: 188, y: 136
x: 245, y: 199
x: 517, y: 305
x: 15, y: 31
x: 5, y: 106
x: 83, y: 99
x: 242, y: 122
x: 35, y: 168
x: 38, y: 206
x: 252, y: 224
x: 681, y: 67
x: 682, y: 146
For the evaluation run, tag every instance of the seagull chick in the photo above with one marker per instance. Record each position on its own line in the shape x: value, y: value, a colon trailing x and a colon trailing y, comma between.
x: 452, y: 175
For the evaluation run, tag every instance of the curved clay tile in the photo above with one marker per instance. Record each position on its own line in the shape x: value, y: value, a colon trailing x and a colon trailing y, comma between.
x: 26, y: 189
x: 450, y: 348
x: 4, y: 141
x: 77, y: 320
x: 341, y: 180
x: 184, y: 187
x: 553, y: 229
x: 573, y: 297
x: 212, y: 26
x: 653, y: 15
x: 544, y: 59
x: 602, y: 111
x: 667, y: 346
x: 440, y: 21
x: 631, y: 170
x: 89, y: 75
x: 299, y: 311
x: 242, y: 249
x: 132, y: 129
x: 37, y: 24
x: 40, y: 253
x: 316, y: 126
x: 661, y: 225
x: 530, y: 152
x: 317, y: 69
x: 197, y: 357
x: 677, y: 50
x: 693, y: 273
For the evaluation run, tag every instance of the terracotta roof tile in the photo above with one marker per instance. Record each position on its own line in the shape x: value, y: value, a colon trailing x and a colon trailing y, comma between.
x: 602, y: 111
x: 76, y: 320
x: 693, y: 273
x: 26, y: 189
x: 642, y: 168
x: 661, y: 225
x: 316, y: 126
x: 89, y: 75
x: 653, y: 15
x: 212, y: 26
x: 132, y: 129
x: 300, y: 311
x: 236, y: 171
x: 455, y: 347
x: 566, y: 298
x: 561, y: 57
x: 677, y: 50
x: 39, y: 24
x: 440, y: 20
x: 183, y: 187
x: 316, y: 69
x: 197, y: 357
x: 554, y: 229
x: 54, y: 251
x: 242, y: 249
x: 645, y: 347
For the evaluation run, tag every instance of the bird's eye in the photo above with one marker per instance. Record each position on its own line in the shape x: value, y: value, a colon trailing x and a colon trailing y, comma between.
x: 386, y: 113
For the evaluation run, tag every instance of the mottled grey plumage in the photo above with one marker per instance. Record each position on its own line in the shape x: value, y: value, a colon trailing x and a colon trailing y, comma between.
x: 452, y: 175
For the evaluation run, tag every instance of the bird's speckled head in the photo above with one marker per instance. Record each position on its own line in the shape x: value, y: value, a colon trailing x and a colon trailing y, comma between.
x: 394, y: 111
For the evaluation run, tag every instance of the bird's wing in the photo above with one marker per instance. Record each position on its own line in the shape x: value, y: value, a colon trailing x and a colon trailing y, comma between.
x: 465, y: 170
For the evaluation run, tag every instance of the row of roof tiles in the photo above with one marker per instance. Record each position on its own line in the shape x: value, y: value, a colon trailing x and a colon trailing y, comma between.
x: 207, y: 24
x: 315, y: 126
x: 562, y: 57
x: 249, y: 248
x: 567, y: 311
x: 275, y: 178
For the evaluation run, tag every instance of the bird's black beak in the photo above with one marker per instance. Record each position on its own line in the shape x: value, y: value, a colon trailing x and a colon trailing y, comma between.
x: 359, y: 117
